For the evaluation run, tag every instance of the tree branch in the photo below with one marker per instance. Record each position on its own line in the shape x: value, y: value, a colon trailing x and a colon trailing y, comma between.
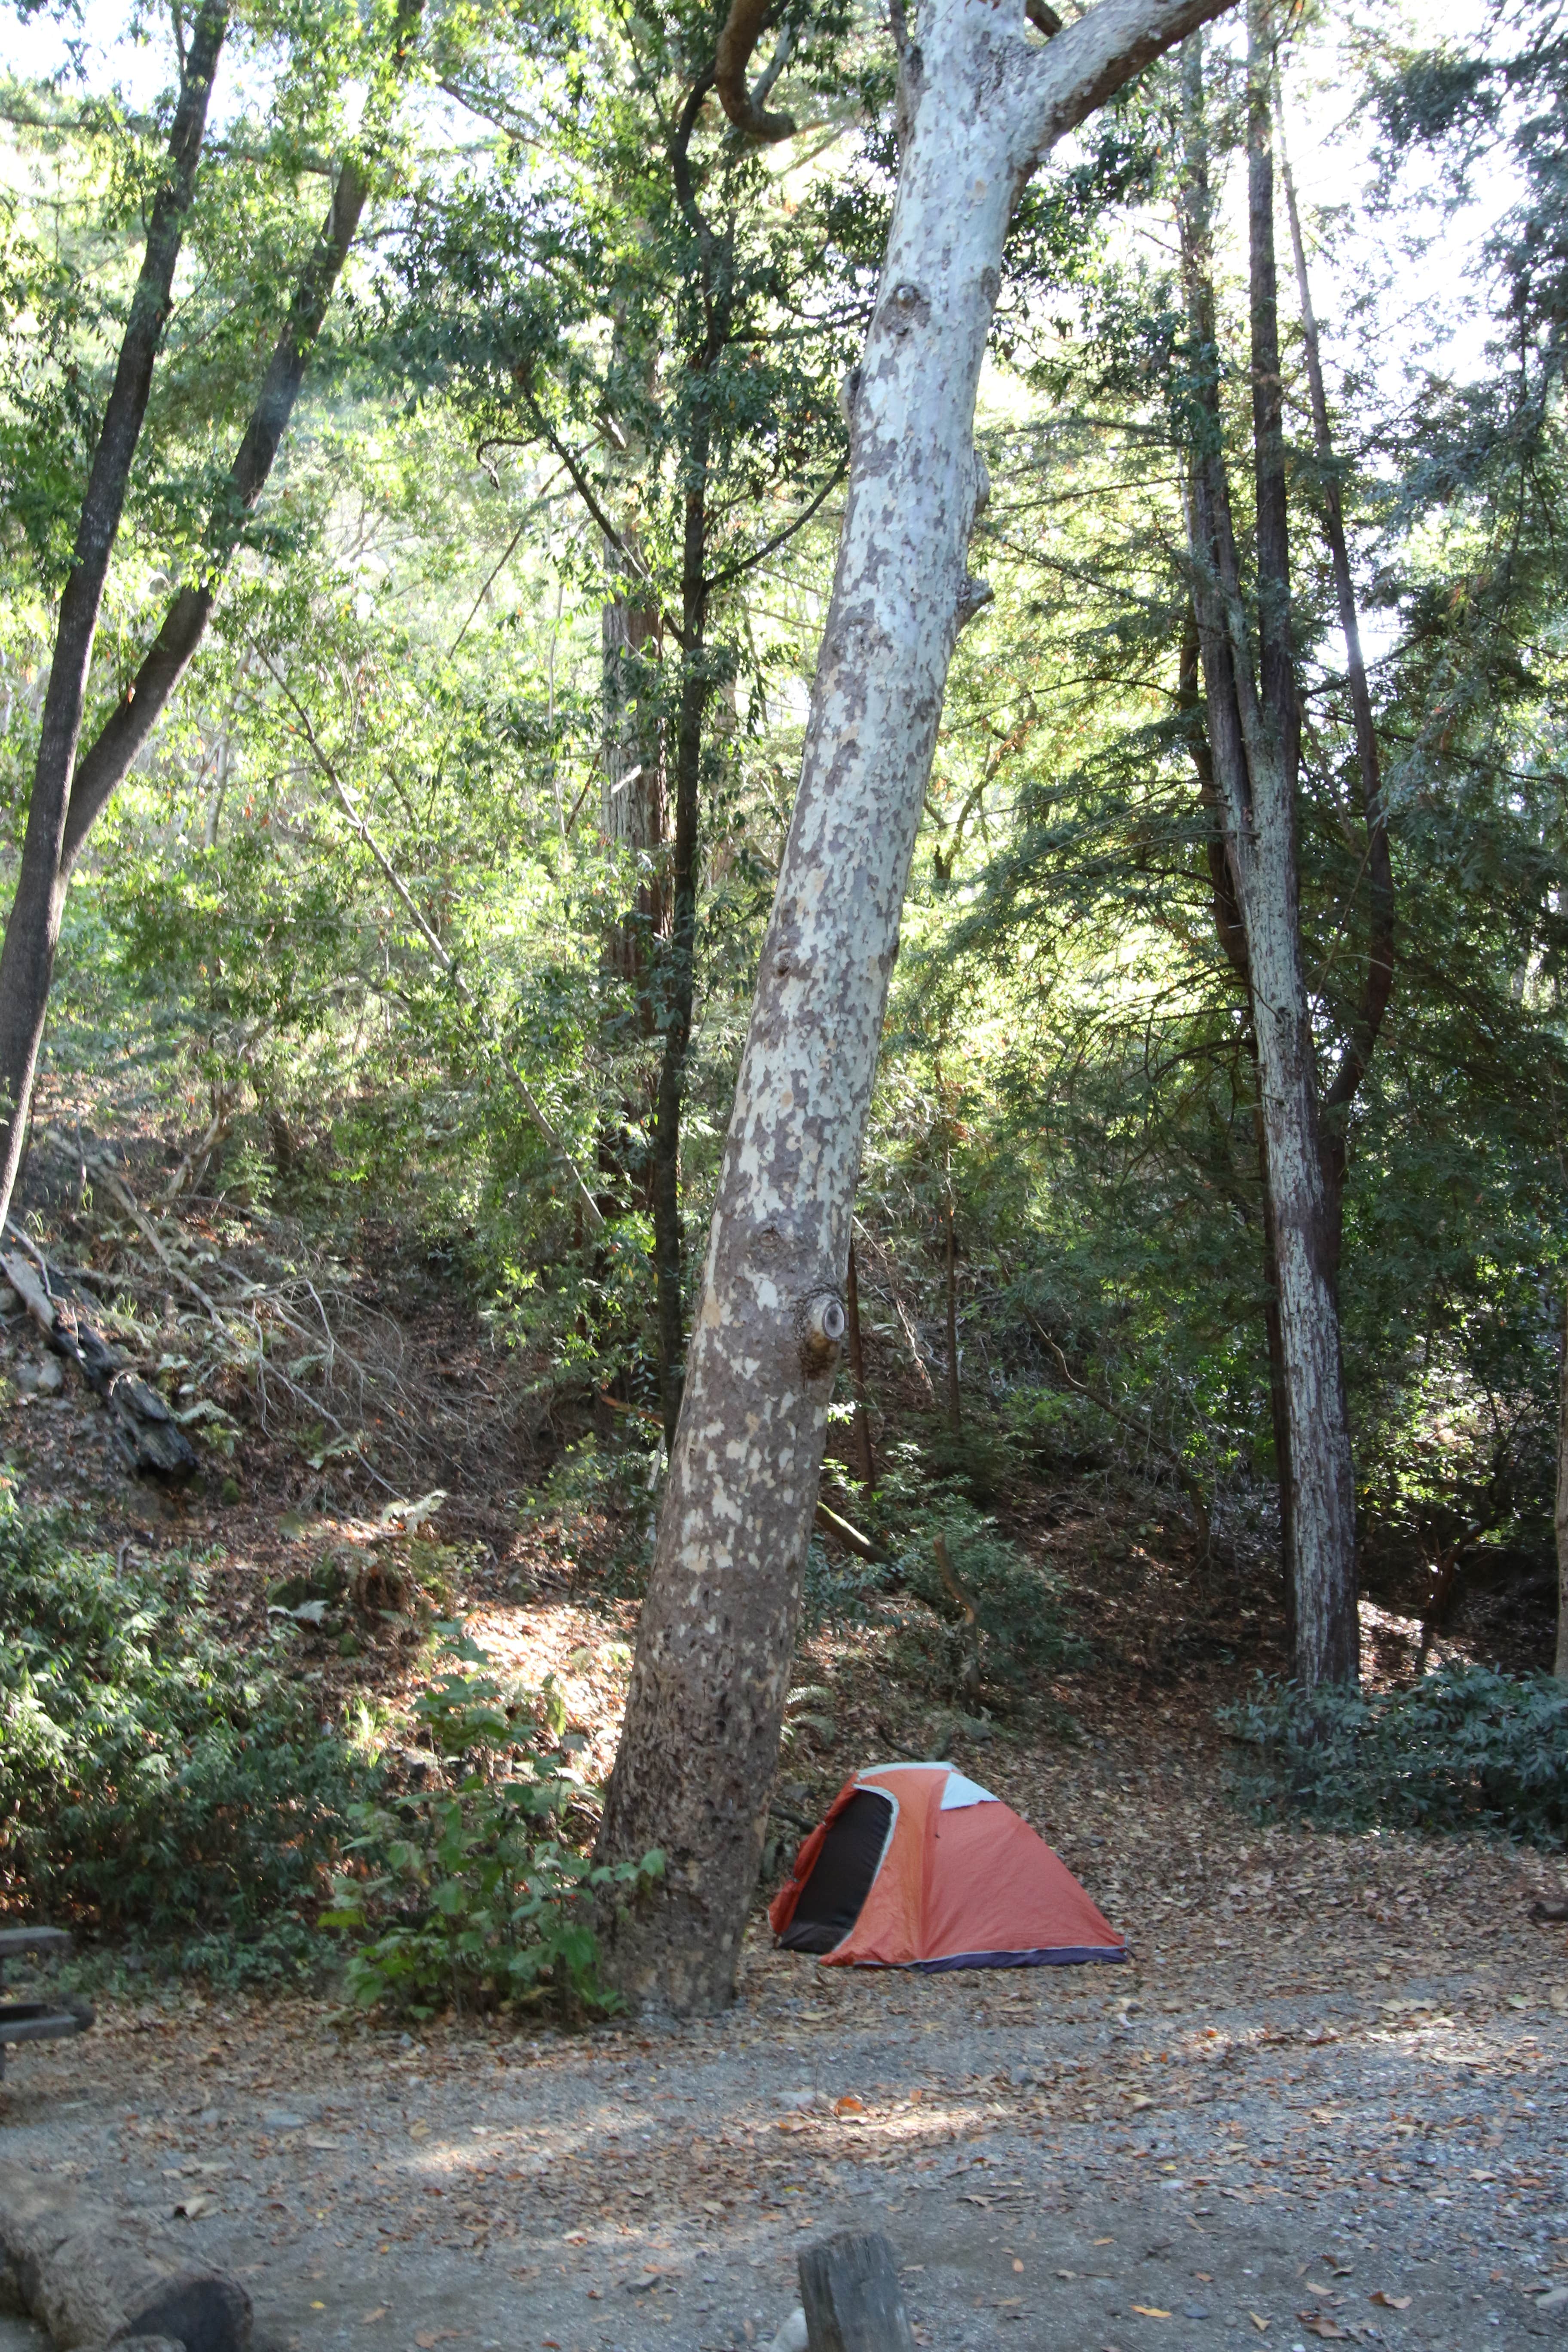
x: 746, y: 24
x: 780, y: 538
x: 1090, y: 61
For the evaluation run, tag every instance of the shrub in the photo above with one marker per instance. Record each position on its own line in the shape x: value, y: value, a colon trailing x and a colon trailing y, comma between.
x: 150, y: 1777
x: 836, y: 1591
x: 468, y: 1892
x: 950, y: 1557
x: 1463, y: 1749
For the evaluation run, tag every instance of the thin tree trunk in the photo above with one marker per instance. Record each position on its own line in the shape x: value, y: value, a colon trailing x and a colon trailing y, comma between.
x: 676, y: 980
x: 633, y: 810
x: 1560, y: 1666
x: 1276, y: 661
x: 1377, y: 984
x: 1231, y: 932
x: 865, y: 1457
x: 954, y: 1401
x: 32, y: 933
x: 1258, y: 804
x: 138, y: 711
x: 697, y: 1753
x: 1276, y: 649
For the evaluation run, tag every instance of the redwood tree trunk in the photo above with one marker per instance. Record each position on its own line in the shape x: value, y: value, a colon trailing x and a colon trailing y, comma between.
x: 985, y: 103
x: 675, y: 993
x: 1561, y: 1667
x: 32, y: 933
x: 1253, y: 774
x: 633, y: 812
x: 1377, y: 982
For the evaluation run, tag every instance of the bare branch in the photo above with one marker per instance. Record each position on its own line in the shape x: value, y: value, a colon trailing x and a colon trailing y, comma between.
x: 769, y: 546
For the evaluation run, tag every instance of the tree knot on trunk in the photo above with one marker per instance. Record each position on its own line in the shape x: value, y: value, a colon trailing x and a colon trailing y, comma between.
x: 821, y: 1323
x: 906, y: 307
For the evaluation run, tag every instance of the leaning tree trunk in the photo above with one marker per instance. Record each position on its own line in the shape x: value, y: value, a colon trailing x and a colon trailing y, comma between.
x: 90, y: 781
x: 104, y: 768
x: 33, y: 930
x: 984, y: 105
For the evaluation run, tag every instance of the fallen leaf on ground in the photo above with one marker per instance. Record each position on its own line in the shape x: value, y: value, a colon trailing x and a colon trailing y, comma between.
x: 367, y: 2318
x: 189, y: 2207
x: 420, y: 2131
x: 1149, y: 2311
x: 849, y: 2105
x: 1258, y: 2321
x: 1390, y: 2302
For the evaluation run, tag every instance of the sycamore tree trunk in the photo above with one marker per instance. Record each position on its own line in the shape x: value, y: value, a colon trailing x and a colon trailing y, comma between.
x: 33, y: 930
x: 984, y: 103
x: 1252, y: 740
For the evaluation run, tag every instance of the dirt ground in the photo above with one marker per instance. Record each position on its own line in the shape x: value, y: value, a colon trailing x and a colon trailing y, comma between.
x: 1325, y: 2101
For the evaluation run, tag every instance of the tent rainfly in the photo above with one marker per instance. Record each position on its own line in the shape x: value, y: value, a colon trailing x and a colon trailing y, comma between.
x: 918, y: 1867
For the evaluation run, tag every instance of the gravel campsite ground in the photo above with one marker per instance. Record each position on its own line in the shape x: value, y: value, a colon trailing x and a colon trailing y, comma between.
x: 1325, y: 2102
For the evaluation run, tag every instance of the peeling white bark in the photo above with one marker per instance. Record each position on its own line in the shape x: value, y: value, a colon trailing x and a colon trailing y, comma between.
x: 985, y: 103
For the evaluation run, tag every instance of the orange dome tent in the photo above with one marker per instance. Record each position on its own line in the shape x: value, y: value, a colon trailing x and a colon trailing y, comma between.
x: 918, y: 1867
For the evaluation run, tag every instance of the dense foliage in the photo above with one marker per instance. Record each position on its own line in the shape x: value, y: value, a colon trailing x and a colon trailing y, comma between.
x: 1463, y: 1749
x: 152, y: 1779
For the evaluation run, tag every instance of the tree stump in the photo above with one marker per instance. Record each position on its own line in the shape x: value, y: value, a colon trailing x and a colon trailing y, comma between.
x: 849, y: 2286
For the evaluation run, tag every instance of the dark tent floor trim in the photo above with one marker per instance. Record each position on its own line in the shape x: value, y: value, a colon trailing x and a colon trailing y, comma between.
x: 1061, y: 1956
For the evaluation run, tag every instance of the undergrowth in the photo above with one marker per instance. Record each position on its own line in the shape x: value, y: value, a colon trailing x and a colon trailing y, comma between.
x: 472, y: 1893
x: 152, y: 1780
x: 1464, y: 1748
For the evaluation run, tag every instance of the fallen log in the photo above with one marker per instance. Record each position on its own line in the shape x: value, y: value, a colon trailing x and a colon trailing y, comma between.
x: 840, y: 1529
x: 92, y: 2281
x: 146, y: 1433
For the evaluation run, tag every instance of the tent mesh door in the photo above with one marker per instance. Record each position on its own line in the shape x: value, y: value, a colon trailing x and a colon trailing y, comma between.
x: 832, y: 1899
